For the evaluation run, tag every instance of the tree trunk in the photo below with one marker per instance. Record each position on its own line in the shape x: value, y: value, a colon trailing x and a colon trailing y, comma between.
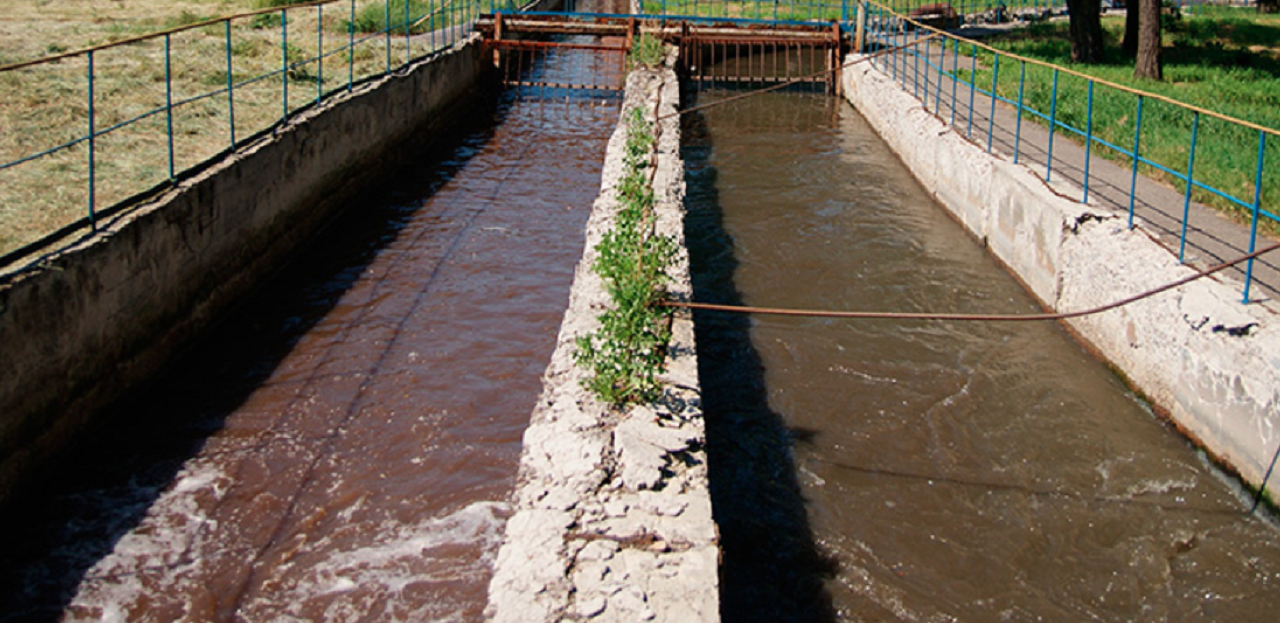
x: 1269, y: 6
x: 1130, y: 42
x: 1148, y: 64
x: 1086, y: 30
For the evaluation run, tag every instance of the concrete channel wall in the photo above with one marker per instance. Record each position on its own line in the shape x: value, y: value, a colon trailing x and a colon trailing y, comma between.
x: 1204, y: 360
x: 92, y: 320
x: 612, y: 512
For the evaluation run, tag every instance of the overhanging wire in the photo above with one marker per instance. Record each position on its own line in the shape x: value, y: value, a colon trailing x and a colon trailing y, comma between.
x: 818, y: 313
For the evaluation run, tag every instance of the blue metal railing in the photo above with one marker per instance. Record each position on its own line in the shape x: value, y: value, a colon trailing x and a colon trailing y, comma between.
x: 426, y: 26
x: 138, y: 142
x: 916, y: 65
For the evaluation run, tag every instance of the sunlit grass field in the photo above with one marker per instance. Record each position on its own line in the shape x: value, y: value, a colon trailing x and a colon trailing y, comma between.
x: 278, y: 64
x: 1226, y: 60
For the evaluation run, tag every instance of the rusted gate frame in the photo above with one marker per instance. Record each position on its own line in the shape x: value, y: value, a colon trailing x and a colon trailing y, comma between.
x: 495, y: 42
x: 829, y: 48
x: 802, y: 43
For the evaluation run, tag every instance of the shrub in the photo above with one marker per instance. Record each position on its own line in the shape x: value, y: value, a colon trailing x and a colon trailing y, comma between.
x: 626, y: 354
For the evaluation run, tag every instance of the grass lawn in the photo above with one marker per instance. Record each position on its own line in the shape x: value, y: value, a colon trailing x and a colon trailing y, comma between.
x: 1222, y: 59
x: 47, y: 105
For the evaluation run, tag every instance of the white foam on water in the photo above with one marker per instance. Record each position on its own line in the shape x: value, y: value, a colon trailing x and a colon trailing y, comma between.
x: 1157, y: 487
x: 390, y: 574
x: 155, y: 556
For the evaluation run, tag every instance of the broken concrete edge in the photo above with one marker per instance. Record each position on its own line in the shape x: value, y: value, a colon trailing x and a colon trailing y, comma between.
x: 1188, y: 351
x: 90, y: 321
x: 611, y: 516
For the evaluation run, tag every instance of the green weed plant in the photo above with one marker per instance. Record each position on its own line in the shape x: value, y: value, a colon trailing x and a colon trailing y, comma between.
x: 648, y: 51
x: 626, y: 353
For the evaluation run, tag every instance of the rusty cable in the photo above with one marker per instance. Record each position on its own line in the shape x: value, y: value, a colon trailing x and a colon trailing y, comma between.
x: 744, y: 309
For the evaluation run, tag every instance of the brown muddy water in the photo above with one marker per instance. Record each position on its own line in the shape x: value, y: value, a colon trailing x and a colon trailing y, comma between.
x: 924, y: 471
x: 342, y: 448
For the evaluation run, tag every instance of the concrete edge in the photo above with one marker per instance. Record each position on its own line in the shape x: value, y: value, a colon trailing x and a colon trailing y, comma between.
x: 1187, y: 351
x: 95, y: 319
x: 612, y: 511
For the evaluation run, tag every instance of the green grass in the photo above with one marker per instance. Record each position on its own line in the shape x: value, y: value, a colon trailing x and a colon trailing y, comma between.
x: 1225, y: 61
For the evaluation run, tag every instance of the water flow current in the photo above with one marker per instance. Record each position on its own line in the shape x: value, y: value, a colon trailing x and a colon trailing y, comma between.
x: 924, y: 471
x: 341, y: 449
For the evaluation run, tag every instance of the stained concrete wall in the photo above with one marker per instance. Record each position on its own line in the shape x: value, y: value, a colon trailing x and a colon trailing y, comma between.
x: 612, y: 512
x: 1221, y: 389
x: 96, y: 318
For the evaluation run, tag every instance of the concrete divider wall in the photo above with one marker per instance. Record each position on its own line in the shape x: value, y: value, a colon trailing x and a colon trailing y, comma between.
x: 612, y: 511
x: 94, y: 319
x: 1209, y: 363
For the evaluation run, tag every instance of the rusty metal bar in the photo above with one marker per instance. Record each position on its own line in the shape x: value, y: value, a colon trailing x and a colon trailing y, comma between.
x: 548, y: 45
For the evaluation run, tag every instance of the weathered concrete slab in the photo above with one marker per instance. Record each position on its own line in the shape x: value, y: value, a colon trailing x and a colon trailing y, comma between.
x: 1209, y: 363
x: 612, y: 513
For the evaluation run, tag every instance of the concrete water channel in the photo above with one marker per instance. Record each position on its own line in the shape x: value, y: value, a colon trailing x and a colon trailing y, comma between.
x: 344, y: 446
x: 881, y: 470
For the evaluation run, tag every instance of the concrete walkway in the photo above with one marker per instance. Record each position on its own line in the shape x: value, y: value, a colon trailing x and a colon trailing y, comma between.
x: 1211, y: 237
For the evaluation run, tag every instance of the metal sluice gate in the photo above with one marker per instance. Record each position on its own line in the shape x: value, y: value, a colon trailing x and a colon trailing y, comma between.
x: 591, y: 51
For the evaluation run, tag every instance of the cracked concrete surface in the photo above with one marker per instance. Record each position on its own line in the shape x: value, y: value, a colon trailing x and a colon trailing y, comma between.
x: 612, y: 513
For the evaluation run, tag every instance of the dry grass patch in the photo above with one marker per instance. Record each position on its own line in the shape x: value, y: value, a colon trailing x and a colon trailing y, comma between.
x: 47, y: 106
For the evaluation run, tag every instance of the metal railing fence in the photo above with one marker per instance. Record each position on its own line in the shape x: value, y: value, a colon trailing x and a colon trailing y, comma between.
x: 963, y: 81
x: 827, y: 10
x: 101, y: 126
x: 84, y: 132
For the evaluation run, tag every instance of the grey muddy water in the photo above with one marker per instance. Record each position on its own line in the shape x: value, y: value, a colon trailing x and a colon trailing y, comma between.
x: 924, y: 471
x: 343, y: 448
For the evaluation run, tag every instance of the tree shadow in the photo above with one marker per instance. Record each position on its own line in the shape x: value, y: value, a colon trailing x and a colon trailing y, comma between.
x: 105, y: 484
x: 771, y: 568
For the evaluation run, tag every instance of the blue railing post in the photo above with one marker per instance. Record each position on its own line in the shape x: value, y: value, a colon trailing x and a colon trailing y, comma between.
x: 1053, y: 124
x: 973, y: 85
x: 319, y: 53
x: 168, y: 101
x: 231, y: 99
x: 955, y: 77
x: 927, y: 46
x: 351, y: 48
x: 1133, y: 175
x: 408, y: 46
x: 915, y: 67
x: 991, y: 120
x: 937, y: 93
x: 386, y: 31
x: 1088, y: 143
x: 1017, y: 126
x: 1257, y: 207
x: 1186, y: 201
x: 93, y: 145
x: 284, y: 65
x: 899, y: 54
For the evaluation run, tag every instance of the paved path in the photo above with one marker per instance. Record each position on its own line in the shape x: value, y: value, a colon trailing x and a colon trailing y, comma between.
x: 1211, y: 236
